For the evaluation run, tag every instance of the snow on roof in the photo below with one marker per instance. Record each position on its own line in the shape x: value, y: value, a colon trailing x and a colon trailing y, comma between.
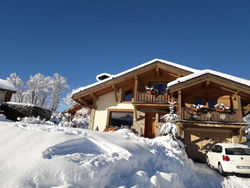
x: 5, y: 84
x: 208, y: 71
x: 20, y: 104
x: 25, y: 105
x: 133, y: 69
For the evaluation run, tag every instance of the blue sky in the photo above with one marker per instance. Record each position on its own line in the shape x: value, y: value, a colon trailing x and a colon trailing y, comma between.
x: 80, y: 39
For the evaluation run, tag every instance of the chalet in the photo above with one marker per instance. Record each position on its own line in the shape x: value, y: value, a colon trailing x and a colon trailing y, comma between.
x: 6, y: 90
x: 73, y: 110
x: 210, y: 104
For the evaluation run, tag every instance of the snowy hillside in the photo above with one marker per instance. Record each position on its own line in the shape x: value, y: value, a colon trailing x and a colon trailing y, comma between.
x: 51, y: 156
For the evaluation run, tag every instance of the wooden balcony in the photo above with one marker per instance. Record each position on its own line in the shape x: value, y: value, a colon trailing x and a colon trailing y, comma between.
x: 207, y: 114
x: 143, y: 97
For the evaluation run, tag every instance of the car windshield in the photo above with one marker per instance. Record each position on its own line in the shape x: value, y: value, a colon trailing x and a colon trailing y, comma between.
x: 237, y: 151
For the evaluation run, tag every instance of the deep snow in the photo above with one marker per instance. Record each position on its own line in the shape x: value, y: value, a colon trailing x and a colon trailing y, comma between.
x: 43, y: 155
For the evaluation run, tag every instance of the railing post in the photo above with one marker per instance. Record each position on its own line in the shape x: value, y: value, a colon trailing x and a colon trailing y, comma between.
x: 166, y: 97
x: 135, y: 88
x: 179, y: 104
x: 239, y: 110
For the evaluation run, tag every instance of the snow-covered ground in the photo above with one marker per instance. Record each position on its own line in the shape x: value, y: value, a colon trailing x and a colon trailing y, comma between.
x: 40, y: 155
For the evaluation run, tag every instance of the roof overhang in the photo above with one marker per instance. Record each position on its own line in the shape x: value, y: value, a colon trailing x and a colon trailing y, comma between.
x: 73, y: 109
x: 184, y: 83
x: 5, y: 85
x: 130, y: 74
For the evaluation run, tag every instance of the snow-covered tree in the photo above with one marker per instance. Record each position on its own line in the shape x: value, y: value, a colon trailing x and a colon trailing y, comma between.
x: 59, y: 85
x: 81, y: 118
x: 69, y: 101
x: 20, y: 87
x: 40, y: 90
x: 45, y: 91
x: 169, y: 127
x: 246, y: 119
x: 37, y: 86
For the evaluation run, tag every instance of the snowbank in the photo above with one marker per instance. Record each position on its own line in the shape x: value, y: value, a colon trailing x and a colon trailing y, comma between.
x: 35, y: 155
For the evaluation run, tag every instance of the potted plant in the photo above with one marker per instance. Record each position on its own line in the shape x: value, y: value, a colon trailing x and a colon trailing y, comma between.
x: 197, y: 107
x: 221, y: 107
x: 110, y: 128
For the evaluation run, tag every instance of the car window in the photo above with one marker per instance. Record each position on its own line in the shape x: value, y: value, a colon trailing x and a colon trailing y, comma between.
x: 237, y: 151
x: 213, y: 149
x: 217, y: 149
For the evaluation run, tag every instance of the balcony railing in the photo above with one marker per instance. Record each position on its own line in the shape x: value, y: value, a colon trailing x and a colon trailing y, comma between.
x: 206, y: 114
x: 147, y: 97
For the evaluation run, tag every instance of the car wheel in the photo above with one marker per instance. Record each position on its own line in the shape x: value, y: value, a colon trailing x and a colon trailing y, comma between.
x: 221, y: 170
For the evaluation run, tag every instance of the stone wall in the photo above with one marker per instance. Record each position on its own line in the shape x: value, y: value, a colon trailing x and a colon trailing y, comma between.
x: 92, y: 118
x: 139, y: 123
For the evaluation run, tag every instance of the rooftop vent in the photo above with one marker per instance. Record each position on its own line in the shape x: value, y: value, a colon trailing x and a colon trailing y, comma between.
x: 103, y: 76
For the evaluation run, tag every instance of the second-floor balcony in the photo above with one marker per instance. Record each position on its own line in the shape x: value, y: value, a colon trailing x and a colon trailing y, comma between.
x: 207, y: 114
x: 145, y: 97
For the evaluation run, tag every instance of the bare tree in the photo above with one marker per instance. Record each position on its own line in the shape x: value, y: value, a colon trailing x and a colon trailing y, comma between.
x: 59, y: 85
x: 20, y: 87
x: 69, y: 101
x: 40, y: 90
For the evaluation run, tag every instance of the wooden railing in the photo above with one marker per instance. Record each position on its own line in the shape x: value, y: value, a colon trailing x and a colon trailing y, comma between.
x: 144, y: 97
x: 207, y: 114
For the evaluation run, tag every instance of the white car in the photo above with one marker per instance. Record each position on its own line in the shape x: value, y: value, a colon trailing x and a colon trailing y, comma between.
x: 229, y: 158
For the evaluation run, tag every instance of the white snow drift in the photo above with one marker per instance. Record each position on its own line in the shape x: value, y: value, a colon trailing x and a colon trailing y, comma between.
x: 42, y: 155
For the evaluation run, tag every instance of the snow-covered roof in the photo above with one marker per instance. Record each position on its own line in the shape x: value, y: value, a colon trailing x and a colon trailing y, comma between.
x: 6, y: 85
x: 208, y: 71
x: 133, y: 69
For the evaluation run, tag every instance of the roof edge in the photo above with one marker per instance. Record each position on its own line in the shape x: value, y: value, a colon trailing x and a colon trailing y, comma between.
x: 76, y: 91
x: 212, y: 72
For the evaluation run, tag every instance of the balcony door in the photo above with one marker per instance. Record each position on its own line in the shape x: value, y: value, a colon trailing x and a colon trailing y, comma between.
x: 150, y: 125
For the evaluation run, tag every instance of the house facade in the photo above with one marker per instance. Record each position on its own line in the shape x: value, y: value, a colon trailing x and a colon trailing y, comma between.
x: 210, y: 104
x: 6, y: 90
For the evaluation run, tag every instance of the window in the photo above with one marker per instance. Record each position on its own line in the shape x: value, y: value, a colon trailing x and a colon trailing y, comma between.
x: 237, y: 151
x: 120, y: 118
x: 198, y: 101
x: 159, y: 87
x: 217, y: 149
x: 212, y: 102
x: 128, y: 95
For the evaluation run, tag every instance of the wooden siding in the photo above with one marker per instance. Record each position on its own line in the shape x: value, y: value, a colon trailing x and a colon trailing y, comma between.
x: 209, y: 115
x: 144, y: 97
